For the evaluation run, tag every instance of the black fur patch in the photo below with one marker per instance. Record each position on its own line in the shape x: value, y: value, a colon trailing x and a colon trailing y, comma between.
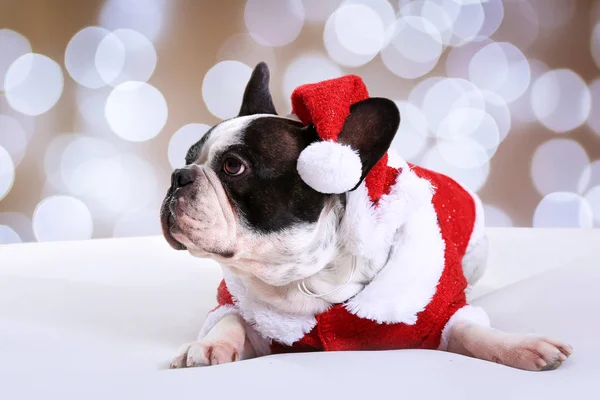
x: 270, y: 193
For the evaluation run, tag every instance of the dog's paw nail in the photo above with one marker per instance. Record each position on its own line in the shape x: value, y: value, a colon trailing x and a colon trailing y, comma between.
x: 541, y: 363
x: 553, y: 365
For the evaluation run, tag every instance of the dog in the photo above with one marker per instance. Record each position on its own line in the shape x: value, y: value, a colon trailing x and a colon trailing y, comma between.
x: 293, y: 273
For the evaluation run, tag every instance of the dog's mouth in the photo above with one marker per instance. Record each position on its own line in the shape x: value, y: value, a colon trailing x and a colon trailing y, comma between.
x: 169, y: 224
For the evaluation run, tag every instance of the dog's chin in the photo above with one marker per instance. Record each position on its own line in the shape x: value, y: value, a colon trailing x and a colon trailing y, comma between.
x: 180, y: 241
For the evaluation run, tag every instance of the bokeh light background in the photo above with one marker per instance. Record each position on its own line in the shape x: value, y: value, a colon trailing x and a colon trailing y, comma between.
x: 100, y: 99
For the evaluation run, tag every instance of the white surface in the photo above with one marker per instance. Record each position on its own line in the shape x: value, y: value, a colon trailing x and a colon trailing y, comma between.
x: 101, y: 319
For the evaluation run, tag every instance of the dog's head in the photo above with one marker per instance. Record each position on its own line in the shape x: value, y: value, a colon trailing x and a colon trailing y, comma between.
x: 241, y: 201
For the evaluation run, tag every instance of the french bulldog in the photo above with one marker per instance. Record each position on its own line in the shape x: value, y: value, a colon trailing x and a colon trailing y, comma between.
x: 286, y: 249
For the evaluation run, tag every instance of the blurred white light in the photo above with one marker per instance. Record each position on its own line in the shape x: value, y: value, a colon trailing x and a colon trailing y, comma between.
x: 501, y: 68
x: 308, y: 68
x: 80, y: 56
x: 521, y: 109
x: 524, y: 26
x: 466, y: 153
x: 468, y: 137
x: 138, y: 222
x: 471, y: 178
x: 589, y: 177
x: 563, y: 210
x: 113, y: 185
x: 142, y: 181
x: 594, y: 116
x: 110, y: 183
x: 12, y: 46
x: 90, y: 104
x: 496, y: 217
x: 182, y: 140
x: 59, y: 218
x: 459, y: 58
x: 419, y: 92
x: 354, y: 34
x: 274, y: 22
x: 412, y: 133
x: 136, y: 111
x: 241, y: 47
x: 13, y: 138
x: 53, y: 162
x: 7, y: 173
x: 433, y: 11
x: 382, y: 7
x: 447, y: 94
x: 557, y: 166
x: 145, y: 16
x: 496, y: 107
x: 493, y: 11
x: 81, y: 149
x: 27, y: 122
x: 554, y: 13
x: 223, y: 88
x: 319, y: 10
x: 561, y: 100
x: 414, y: 48
x: 8, y: 235
x: 458, y: 21
x: 125, y: 55
x: 593, y: 198
x: 33, y: 84
x: 417, y: 39
x: 20, y: 223
x: 468, y: 22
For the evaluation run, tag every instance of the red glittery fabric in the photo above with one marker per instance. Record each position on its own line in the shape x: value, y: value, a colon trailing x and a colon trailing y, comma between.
x: 337, y: 329
x: 326, y: 104
x: 380, y: 179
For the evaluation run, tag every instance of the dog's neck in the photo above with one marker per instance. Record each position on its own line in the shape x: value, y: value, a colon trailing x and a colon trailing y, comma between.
x: 290, y: 299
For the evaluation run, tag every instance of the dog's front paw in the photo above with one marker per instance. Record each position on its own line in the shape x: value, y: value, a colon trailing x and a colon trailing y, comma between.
x: 535, y: 353
x: 204, y: 353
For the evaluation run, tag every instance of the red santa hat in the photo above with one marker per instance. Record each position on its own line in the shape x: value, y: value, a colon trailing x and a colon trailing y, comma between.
x: 329, y: 166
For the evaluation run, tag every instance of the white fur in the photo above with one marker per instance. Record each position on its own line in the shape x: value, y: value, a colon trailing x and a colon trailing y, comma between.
x: 224, y: 135
x: 468, y: 313
x: 407, y: 283
x: 269, y: 321
x: 478, y: 232
x: 215, y: 316
x: 330, y: 167
x: 394, y: 159
x: 368, y: 231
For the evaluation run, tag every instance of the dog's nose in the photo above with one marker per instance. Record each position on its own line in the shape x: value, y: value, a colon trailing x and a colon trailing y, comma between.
x: 182, y: 177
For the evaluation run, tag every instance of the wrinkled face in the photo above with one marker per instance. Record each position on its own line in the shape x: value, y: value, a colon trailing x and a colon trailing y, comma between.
x: 241, y: 201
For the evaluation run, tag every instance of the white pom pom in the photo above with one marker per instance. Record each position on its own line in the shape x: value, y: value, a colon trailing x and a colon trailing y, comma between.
x: 330, y: 167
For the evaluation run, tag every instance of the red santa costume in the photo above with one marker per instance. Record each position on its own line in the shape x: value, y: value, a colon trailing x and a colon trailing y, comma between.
x: 418, y: 223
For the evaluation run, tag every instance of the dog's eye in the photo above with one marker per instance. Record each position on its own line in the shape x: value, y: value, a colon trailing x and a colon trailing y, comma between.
x: 233, y: 166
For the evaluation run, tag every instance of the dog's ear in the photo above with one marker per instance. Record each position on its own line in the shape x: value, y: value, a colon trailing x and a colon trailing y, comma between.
x: 257, y: 97
x: 370, y: 129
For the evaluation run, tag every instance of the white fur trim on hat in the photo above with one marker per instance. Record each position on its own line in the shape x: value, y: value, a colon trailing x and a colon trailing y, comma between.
x: 330, y: 167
